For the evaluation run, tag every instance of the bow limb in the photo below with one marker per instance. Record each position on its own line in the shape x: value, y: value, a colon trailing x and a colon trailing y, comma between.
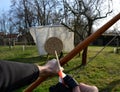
x: 78, y: 48
x: 35, y: 84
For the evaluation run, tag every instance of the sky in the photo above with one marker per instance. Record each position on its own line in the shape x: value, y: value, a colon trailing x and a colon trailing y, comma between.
x: 5, y: 6
x: 116, y: 10
x: 116, y: 7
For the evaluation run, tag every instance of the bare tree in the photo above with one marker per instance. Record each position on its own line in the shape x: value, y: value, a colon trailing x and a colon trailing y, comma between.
x: 3, y: 22
x: 45, y: 10
x: 84, y: 14
x: 3, y: 28
x: 23, y: 16
x: 28, y: 13
x: 7, y: 27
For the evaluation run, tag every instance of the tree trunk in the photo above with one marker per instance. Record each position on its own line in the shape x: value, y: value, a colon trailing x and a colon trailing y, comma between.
x: 84, y: 56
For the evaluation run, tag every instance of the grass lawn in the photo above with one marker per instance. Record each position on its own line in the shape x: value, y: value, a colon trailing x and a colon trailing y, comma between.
x: 103, y: 71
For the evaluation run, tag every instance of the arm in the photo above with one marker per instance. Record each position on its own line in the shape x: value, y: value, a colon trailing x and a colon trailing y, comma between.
x: 71, y: 83
x: 14, y: 75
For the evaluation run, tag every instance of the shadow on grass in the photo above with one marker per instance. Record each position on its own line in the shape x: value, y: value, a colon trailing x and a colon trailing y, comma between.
x: 112, y: 87
x: 37, y: 59
x: 75, y: 68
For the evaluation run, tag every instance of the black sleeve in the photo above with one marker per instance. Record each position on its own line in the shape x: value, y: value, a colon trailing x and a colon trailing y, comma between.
x: 14, y: 75
x: 59, y: 87
x: 70, y: 82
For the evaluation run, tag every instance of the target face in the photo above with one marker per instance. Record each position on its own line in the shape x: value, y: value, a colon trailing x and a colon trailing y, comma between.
x: 53, y: 44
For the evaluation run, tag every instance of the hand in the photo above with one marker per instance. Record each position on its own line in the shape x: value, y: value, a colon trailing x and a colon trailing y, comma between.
x: 50, y: 68
x: 87, y: 88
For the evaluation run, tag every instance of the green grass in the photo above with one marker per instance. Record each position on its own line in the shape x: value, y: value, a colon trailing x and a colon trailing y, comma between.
x: 103, y: 71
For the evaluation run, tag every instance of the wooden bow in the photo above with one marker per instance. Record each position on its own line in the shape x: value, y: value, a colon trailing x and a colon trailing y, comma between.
x: 77, y: 49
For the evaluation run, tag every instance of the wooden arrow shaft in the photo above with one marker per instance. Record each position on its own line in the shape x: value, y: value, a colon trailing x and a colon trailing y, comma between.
x: 78, y: 48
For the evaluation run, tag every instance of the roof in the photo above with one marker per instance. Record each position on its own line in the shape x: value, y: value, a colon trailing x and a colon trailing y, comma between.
x: 110, y: 34
x: 11, y: 35
x: 2, y: 33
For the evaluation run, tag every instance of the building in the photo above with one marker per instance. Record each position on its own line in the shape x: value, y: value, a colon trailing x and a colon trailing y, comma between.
x: 8, y: 39
x: 107, y: 37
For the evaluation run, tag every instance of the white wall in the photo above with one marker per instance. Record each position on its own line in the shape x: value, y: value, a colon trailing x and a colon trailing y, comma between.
x: 42, y: 33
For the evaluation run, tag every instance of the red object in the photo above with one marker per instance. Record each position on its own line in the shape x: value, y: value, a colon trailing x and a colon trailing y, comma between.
x: 60, y: 74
